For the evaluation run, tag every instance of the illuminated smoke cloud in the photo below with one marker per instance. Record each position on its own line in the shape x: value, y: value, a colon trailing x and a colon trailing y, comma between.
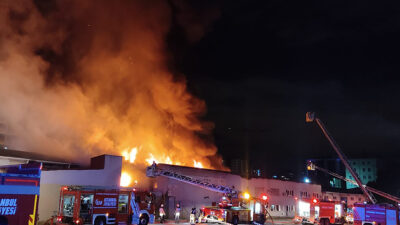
x: 83, y: 78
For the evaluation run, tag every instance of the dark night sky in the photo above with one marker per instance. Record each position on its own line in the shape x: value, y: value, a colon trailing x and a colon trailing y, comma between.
x: 262, y: 64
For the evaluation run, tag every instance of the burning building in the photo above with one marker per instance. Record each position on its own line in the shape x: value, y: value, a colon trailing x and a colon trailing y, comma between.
x: 81, y: 79
x: 283, y: 195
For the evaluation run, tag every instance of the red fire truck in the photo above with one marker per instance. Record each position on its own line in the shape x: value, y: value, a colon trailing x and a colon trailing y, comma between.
x: 244, y: 212
x: 100, y: 205
x: 375, y: 214
x: 19, y: 194
x: 323, y: 212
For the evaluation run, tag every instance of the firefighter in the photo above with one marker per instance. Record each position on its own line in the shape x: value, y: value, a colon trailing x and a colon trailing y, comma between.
x: 177, y: 213
x: 162, y: 213
x: 193, y: 216
x: 201, y: 217
x: 148, y: 199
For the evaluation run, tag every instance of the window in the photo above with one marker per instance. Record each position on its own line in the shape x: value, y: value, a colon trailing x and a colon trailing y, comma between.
x: 363, y: 163
x: 289, y: 192
x: 369, y: 177
x: 334, y: 197
x: 272, y: 208
x: 363, y: 169
x: 364, y: 177
x: 68, y: 205
x: 369, y: 169
x: 359, y: 199
x: 86, y: 203
x: 352, y: 198
x: 277, y: 207
x: 257, y: 208
x: 123, y: 203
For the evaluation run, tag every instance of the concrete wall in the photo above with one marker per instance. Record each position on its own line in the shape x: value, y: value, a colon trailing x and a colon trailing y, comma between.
x: 51, y: 182
x: 347, y: 197
x: 283, y: 194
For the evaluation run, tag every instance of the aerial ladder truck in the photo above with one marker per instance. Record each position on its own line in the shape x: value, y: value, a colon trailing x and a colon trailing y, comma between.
x: 231, y: 209
x: 364, y: 214
x: 312, y: 166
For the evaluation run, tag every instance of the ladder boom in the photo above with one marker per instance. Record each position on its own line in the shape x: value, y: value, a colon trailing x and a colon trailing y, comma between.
x: 154, y: 171
x: 310, y: 117
x: 373, y: 190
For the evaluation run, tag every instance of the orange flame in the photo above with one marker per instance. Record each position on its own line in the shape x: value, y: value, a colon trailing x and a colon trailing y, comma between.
x: 126, y: 179
x: 116, y: 93
x: 130, y: 156
x: 197, y: 164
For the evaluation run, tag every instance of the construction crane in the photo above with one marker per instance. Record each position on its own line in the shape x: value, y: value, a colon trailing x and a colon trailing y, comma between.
x: 312, y: 166
x: 310, y: 117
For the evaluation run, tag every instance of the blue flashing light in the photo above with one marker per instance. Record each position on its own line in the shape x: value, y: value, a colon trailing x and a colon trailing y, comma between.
x: 307, y: 180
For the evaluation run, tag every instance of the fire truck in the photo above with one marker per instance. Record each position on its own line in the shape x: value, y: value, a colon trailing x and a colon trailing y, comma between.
x: 375, y: 214
x: 100, y: 206
x: 234, y: 207
x: 323, y: 212
x: 19, y: 194
x: 363, y: 214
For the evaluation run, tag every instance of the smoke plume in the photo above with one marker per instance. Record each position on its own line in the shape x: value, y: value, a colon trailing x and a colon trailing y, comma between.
x: 83, y: 78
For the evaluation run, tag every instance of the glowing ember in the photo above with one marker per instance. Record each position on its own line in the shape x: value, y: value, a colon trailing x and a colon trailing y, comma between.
x: 125, y: 180
x: 197, y: 164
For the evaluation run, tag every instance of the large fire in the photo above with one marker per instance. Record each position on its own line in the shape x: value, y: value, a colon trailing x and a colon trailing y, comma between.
x: 130, y: 157
x: 84, y: 78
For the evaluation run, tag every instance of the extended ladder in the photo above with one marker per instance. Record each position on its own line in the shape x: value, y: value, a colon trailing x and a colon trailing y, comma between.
x: 154, y: 171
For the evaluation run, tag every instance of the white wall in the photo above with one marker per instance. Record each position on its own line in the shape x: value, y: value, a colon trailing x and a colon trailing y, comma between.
x: 283, y: 194
x: 51, y: 182
x: 351, y: 198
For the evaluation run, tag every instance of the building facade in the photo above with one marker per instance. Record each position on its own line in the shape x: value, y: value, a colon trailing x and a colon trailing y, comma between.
x: 348, y: 198
x: 282, y: 194
x: 366, y: 170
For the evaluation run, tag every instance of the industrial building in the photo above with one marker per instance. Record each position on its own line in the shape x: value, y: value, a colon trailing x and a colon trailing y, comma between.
x: 105, y: 170
x: 282, y: 194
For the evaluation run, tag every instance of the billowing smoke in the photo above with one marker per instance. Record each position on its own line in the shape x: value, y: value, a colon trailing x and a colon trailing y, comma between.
x: 83, y: 78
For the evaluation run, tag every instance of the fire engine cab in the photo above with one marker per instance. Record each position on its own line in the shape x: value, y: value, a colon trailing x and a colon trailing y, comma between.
x: 100, y: 206
x: 312, y: 211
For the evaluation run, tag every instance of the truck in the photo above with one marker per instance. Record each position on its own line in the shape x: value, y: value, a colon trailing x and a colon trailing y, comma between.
x: 370, y: 213
x: 310, y: 211
x: 19, y: 193
x: 235, y: 207
x: 104, y: 205
x: 375, y: 214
